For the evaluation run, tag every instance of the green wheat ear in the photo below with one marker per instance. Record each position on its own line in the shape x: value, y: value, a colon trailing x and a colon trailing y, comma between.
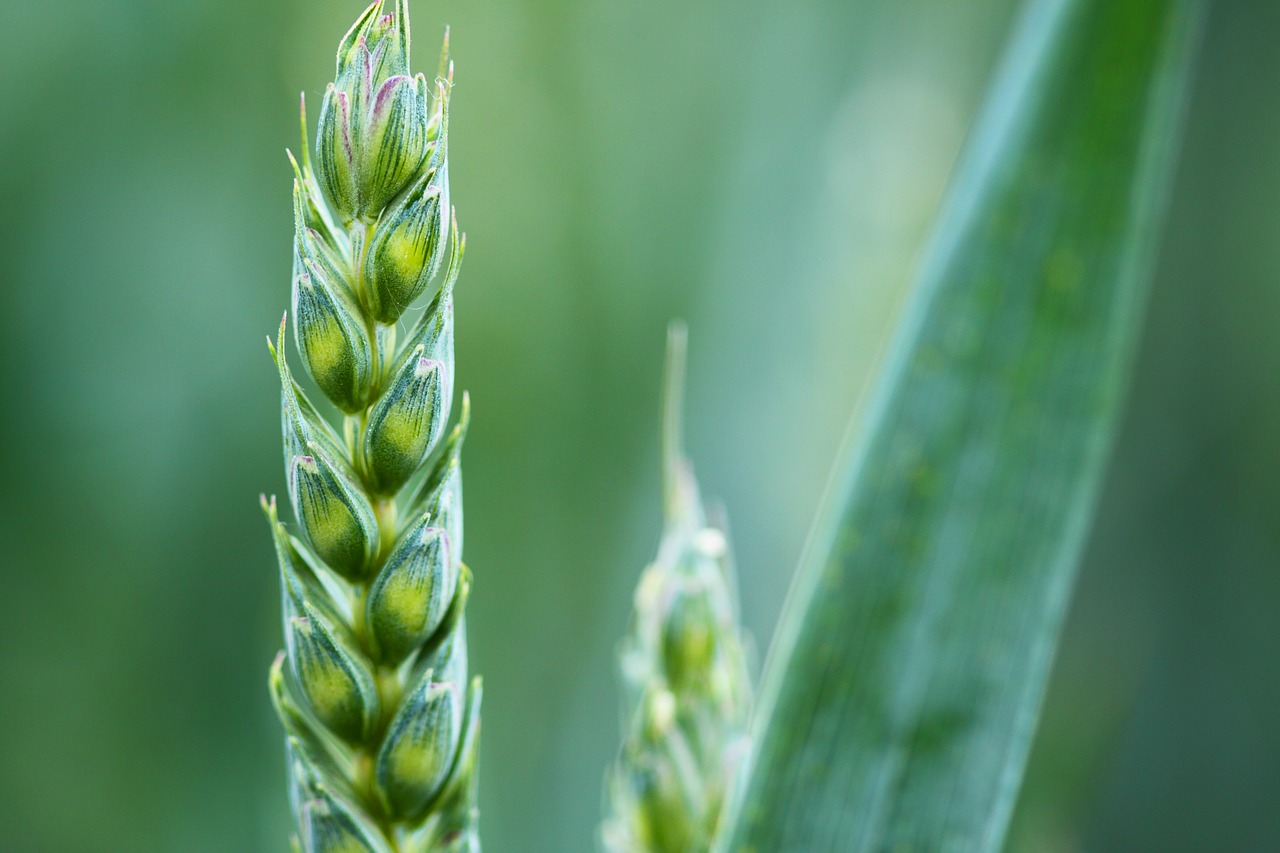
x: 381, y: 722
x: 684, y: 673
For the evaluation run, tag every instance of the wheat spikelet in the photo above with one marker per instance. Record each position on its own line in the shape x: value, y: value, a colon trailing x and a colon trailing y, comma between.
x: 382, y: 725
x: 688, y: 692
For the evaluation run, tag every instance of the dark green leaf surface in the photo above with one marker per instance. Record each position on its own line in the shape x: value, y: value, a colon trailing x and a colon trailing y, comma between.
x: 903, y: 689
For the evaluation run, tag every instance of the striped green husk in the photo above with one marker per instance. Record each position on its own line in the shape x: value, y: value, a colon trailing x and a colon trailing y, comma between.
x: 381, y: 720
x: 684, y: 673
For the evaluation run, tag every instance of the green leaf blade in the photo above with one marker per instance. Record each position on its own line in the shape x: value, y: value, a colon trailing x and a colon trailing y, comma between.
x: 900, y: 700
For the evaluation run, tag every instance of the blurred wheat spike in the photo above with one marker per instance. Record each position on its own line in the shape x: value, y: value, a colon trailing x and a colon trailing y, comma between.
x: 684, y: 673
x: 382, y: 725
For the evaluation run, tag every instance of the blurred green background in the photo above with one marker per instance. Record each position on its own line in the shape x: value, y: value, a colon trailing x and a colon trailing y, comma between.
x: 767, y: 171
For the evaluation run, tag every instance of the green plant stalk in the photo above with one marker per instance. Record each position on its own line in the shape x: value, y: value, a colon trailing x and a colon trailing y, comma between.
x: 381, y: 722
x: 687, y: 688
x: 903, y: 688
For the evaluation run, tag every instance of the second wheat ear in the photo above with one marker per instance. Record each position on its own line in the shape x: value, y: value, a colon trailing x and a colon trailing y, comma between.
x: 684, y: 672
x: 381, y: 721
